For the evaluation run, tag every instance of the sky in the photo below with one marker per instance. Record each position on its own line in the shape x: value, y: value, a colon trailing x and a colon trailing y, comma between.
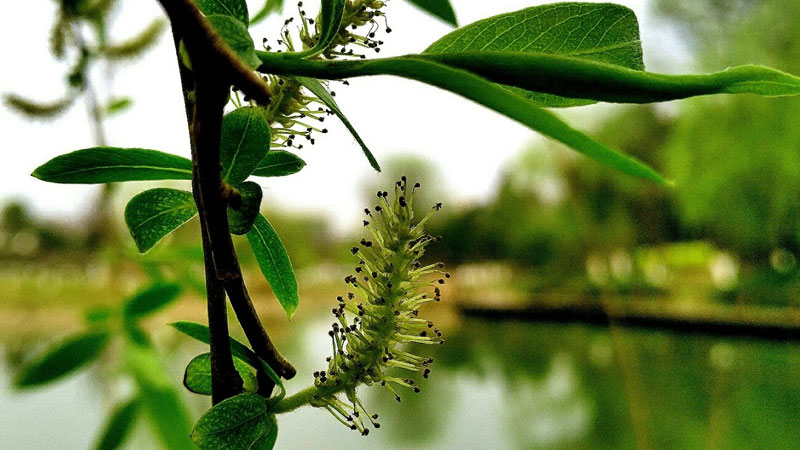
x: 467, y: 144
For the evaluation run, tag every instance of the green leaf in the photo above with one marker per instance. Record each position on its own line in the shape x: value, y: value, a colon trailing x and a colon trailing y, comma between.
x: 270, y: 6
x: 274, y: 263
x: 439, y: 8
x: 38, y: 110
x: 601, y: 32
x: 234, y: 8
x: 62, y: 359
x: 241, y: 220
x: 119, y: 426
x: 330, y: 18
x: 235, y: 34
x: 201, y: 333
x: 481, y: 91
x: 232, y: 424
x: 197, y: 377
x: 155, y: 213
x: 136, y: 45
x: 267, y: 441
x: 244, y: 143
x: 610, y: 83
x: 166, y: 413
x: 151, y: 299
x: 117, y: 105
x: 279, y: 163
x: 321, y: 93
x: 112, y: 164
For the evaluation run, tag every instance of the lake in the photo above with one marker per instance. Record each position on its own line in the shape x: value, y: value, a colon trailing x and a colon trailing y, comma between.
x: 494, y: 385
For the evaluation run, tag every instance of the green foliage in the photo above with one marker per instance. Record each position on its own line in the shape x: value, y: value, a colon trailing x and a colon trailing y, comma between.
x: 136, y: 45
x: 112, y: 164
x: 235, y: 423
x: 119, y: 426
x: 117, y: 105
x: 602, y: 32
x: 197, y: 377
x: 439, y: 8
x: 62, y: 359
x: 267, y: 441
x: 234, y: 8
x: 160, y: 401
x: 321, y: 93
x: 201, y: 333
x: 155, y: 213
x: 35, y: 109
x: 244, y: 143
x: 279, y: 163
x: 241, y: 219
x: 151, y: 300
x: 270, y: 6
x: 330, y: 18
x: 235, y: 34
x: 274, y: 263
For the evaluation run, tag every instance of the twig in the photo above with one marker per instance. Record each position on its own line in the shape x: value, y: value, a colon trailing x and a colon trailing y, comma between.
x: 201, y: 39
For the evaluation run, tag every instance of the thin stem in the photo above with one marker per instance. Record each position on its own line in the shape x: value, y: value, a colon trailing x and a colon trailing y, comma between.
x: 299, y: 399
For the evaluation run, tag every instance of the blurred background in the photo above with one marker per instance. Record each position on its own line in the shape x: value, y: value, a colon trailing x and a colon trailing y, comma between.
x: 530, y: 230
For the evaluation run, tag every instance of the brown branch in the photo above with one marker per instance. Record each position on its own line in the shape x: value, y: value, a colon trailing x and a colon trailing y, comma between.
x: 214, y: 68
x: 225, y: 380
x: 200, y: 38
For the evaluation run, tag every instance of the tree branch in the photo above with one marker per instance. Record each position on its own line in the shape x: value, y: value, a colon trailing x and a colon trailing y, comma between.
x: 200, y: 38
x: 214, y: 68
x: 225, y: 380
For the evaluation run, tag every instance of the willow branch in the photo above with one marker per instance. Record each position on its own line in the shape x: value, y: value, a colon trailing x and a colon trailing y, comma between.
x: 200, y: 38
x: 214, y: 68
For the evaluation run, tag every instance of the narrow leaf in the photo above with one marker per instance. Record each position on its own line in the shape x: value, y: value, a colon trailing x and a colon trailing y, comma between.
x: 486, y: 93
x: 197, y: 376
x: 235, y: 34
x: 234, y: 8
x: 330, y: 18
x: 159, y: 399
x: 267, y: 441
x: 274, y: 263
x: 36, y: 110
x: 321, y: 93
x: 601, y: 32
x: 279, y: 163
x: 244, y: 143
x: 241, y: 220
x: 151, y: 299
x: 117, y: 105
x: 136, y: 45
x: 112, y: 164
x: 119, y: 426
x: 439, y: 8
x: 270, y: 6
x: 62, y: 359
x: 233, y: 424
x: 201, y: 333
x: 155, y: 213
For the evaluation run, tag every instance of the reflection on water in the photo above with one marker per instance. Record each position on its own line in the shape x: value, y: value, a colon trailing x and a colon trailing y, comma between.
x: 499, y: 385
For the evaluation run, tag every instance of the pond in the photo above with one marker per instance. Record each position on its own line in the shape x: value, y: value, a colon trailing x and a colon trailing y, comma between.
x: 494, y: 385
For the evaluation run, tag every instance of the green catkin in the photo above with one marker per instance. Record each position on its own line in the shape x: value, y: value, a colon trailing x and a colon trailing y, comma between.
x: 293, y: 115
x: 389, y: 287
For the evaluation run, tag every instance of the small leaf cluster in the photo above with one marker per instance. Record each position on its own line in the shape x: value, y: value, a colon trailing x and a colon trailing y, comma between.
x: 154, y: 398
